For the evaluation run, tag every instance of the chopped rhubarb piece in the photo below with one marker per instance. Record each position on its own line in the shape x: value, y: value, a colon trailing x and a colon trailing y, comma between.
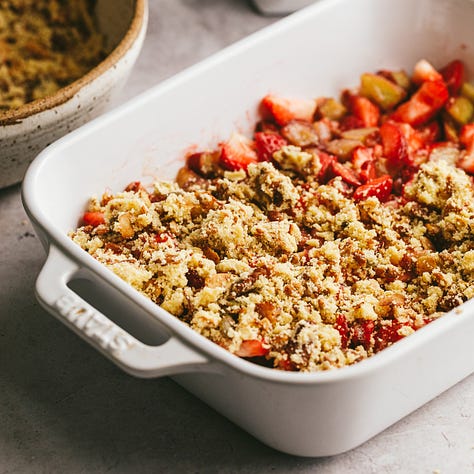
x: 460, y: 109
x: 301, y: 134
x: 203, y: 163
x: 342, y: 147
x: 424, y: 71
x: 283, y: 110
x: 453, y: 75
x: 252, y: 348
x: 331, y: 108
x: 423, y: 105
x: 467, y: 90
x: 385, y: 93
x: 267, y: 144
x: 400, y: 78
x: 237, y: 153
x: 93, y: 218
x: 380, y: 188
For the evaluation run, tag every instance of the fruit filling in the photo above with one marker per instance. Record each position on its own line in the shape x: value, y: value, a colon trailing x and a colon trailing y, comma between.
x: 341, y: 226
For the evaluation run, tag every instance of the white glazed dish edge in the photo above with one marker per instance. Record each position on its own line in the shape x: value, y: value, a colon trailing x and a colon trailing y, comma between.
x: 280, y: 7
x: 304, y: 414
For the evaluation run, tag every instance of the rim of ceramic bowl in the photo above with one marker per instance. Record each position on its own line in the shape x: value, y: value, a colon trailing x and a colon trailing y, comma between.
x: 14, y: 116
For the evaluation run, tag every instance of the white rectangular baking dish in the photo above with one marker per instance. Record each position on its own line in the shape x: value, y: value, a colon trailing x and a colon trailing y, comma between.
x: 314, y: 52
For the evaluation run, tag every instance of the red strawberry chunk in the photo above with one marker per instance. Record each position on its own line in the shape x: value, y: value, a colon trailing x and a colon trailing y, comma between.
x: 387, y: 335
x: 284, y: 110
x: 381, y: 188
x: 343, y: 328
x: 326, y: 162
x: 267, y: 144
x: 361, y: 333
x: 367, y: 171
x: 252, y: 348
x: 429, y: 133
x: 347, y: 174
x: 93, y: 218
x: 453, y: 75
x: 363, y: 109
x: 237, y: 153
x: 424, y: 71
x: 360, y: 155
x: 423, y: 105
x: 466, y: 137
x: 395, y: 147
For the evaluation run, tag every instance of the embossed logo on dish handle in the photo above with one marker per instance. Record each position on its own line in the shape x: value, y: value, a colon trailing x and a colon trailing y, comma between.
x: 94, y: 324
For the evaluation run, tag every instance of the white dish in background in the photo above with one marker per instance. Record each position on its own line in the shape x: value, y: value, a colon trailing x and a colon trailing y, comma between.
x: 305, y: 414
x: 280, y: 7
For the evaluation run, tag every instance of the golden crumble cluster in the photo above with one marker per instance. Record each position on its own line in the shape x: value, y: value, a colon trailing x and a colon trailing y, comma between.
x: 45, y: 45
x: 294, y: 252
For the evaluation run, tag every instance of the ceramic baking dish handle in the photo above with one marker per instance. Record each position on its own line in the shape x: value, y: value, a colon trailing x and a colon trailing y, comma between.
x: 122, y: 348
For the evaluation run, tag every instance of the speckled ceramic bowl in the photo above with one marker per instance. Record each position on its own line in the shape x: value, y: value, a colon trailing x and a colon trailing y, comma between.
x: 25, y: 131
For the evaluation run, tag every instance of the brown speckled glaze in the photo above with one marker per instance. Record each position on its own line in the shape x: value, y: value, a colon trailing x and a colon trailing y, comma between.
x: 25, y: 131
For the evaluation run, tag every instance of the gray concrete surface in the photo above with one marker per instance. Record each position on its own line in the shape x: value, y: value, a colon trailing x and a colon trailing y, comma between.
x: 65, y: 409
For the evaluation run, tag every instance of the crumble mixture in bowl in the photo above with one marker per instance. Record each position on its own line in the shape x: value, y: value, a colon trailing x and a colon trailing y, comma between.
x: 340, y: 228
x: 45, y: 45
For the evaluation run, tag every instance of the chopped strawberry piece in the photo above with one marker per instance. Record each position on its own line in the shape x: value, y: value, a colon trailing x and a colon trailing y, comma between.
x: 466, y: 137
x: 267, y: 144
x: 350, y: 122
x: 284, y: 110
x: 361, y: 333
x: 429, y: 133
x: 366, y: 111
x: 424, y: 71
x: 347, y: 174
x: 237, y: 153
x: 252, y: 348
x: 360, y: 155
x: 381, y: 188
x: 163, y: 237
x: 286, y: 364
x: 423, y: 105
x: 134, y: 186
x: 453, y: 75
x: 326, y: 161
x: 387, y: 335
x: 466, y: 162
x: 343, y: 328
x: 395, y: 147
x: 367, y: 171
x: 93, y: 218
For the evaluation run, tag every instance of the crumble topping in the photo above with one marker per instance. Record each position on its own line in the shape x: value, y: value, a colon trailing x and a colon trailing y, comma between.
x: 226, y: 267
x: 338, y: 230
